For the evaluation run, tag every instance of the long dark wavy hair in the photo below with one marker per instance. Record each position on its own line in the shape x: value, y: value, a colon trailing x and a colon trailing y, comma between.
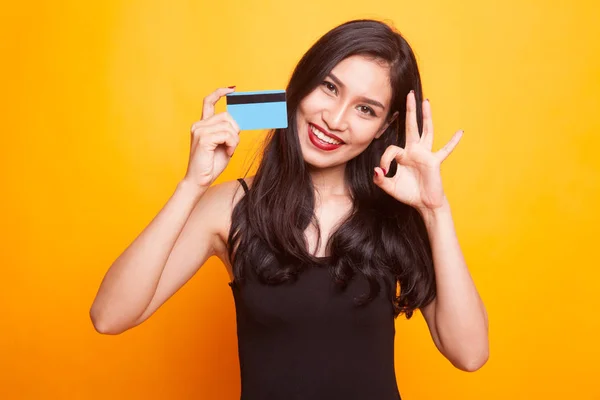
x: 382, y: 239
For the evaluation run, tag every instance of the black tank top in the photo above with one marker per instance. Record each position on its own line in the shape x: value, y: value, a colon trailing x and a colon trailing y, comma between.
x: 308, y: 341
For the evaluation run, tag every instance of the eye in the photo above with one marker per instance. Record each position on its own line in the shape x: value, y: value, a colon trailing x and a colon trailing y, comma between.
x: 366, y: 110
x: 330, y: 86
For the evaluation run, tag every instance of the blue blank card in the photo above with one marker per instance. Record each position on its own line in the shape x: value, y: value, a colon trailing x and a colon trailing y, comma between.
x: 258, y: 110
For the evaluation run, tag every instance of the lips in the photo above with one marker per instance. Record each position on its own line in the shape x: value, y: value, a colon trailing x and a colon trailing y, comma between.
x: 319, y: 144
x: 323, y: 131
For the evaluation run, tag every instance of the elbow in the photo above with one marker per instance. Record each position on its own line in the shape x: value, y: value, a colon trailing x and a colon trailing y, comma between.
x: 107, y: 330
x: 102, y: 326
x: 468, y: 356
x: 473, y: 362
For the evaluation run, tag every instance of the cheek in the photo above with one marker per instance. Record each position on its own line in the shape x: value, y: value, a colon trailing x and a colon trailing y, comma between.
x: 364, y: 131
x: 311, y: 104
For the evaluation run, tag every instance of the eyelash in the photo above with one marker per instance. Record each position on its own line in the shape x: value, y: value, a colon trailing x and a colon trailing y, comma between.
x: 370, y: 111
x: 328, y: 84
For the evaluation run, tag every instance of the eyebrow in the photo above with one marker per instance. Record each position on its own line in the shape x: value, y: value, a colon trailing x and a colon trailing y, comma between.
x: 362, y: 98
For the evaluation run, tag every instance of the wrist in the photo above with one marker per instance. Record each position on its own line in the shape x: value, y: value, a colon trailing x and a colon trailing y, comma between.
x: 190, y: 189
x: 433, y: 213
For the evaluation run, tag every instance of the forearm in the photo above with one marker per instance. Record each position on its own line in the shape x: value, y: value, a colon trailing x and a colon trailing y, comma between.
x: 459, y: 314
x: 131, y: 281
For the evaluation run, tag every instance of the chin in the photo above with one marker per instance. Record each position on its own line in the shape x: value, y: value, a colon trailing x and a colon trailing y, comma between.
x: 320, y: 162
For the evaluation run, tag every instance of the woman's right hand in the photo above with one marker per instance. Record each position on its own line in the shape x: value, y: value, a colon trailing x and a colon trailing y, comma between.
x: 213, y: 140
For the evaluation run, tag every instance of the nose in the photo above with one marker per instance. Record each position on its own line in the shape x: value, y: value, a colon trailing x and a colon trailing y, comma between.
x: 335, y: 117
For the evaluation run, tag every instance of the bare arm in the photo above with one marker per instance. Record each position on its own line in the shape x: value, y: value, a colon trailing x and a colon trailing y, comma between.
x: 131, y: 282
x: 457, y: 318
x: 180, y: 238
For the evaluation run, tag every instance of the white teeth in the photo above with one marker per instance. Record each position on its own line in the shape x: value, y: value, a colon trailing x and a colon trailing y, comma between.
x: 323, y: 137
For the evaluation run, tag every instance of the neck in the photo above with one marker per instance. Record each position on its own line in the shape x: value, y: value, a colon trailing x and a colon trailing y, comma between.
x: 329, y: 181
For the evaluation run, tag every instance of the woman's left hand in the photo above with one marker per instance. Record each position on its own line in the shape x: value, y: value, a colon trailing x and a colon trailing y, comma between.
x: 417, y: 181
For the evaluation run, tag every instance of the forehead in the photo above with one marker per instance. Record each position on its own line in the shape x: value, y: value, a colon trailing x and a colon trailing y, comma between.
x: 365, y: 76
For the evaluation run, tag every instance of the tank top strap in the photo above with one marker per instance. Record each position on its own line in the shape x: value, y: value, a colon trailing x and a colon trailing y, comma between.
x: 244, y: 185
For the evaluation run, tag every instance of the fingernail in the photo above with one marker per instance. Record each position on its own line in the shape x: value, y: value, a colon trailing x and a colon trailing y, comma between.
x: 412, y: 91
x: 231, y: 87
x: 427, y: 100
x: 384, y: 171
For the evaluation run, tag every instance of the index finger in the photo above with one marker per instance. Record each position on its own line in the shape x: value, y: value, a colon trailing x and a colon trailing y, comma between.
x: 208, y: 108
x: 391, y: 153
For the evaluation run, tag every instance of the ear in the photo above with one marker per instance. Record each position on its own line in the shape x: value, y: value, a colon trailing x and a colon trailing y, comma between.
x: 385, y: 126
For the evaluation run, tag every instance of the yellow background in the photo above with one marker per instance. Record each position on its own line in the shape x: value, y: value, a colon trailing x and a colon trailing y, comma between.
x: 97, y: 102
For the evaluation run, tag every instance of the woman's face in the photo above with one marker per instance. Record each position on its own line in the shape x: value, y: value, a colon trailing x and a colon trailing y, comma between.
x: 347, y: 110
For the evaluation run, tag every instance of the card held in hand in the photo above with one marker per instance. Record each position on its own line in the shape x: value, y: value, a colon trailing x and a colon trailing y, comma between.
x: 265, y: 109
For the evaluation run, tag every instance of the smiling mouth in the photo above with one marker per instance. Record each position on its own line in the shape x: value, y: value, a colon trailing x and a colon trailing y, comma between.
x: 324, y: 137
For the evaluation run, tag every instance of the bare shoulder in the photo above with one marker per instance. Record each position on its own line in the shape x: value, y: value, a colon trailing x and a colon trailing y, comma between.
x: 225, y: 196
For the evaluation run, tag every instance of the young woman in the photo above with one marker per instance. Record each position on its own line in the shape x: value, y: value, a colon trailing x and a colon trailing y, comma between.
x: 344, y: 227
